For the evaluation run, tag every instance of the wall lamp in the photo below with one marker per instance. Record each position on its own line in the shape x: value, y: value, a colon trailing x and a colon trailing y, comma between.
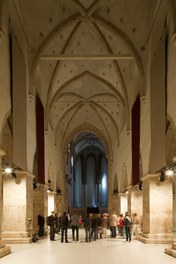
x: 59, y: 191
x: 168, y: 171
x: 140, y: 185
x: 126, y: 191
x: 36, y: 184
x: 11, y: 172
x: 49, y: 186
x: 115, y: 191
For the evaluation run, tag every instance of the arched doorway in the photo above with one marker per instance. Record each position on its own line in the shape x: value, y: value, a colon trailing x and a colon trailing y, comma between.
x: 87, y: 174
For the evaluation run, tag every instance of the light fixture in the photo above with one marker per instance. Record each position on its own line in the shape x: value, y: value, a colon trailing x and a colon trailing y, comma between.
x: 169, y: 172
x: 162, y: 176
x: 36, y: 184
x: 59, y: 191
x: 8, y: 170
x: 140, y: 185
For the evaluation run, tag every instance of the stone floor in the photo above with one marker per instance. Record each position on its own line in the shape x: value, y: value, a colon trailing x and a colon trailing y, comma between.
x: 104, y: 251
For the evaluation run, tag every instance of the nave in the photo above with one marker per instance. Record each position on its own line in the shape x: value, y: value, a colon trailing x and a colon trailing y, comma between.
x: 102, y: 251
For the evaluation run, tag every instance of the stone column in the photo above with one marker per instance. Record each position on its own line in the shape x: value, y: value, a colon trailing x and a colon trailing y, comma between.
x: 157, y: 210
x: 40, y: 204
x: 51, y: 202
x: 4, y: 250
x: 135, y: 201
x: 58, y: 205
x: 18, y: 207
x: 115, y: 203
x: 174, y: 205
x: 123, y: 202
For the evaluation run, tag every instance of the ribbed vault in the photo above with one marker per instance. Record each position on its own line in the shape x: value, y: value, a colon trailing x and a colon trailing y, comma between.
x: 87, y: 57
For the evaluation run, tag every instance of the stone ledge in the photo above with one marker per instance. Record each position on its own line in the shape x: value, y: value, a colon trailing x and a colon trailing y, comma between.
x: 2, y: 244
x: 16, y: 240
x: 156, y: 238
x: 4, y: 250
x: 171, y: 252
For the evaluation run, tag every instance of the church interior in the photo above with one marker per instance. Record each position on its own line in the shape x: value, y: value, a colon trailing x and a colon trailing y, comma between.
x: 88, y: 114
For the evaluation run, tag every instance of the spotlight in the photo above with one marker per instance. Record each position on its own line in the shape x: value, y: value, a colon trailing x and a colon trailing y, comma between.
x: 49, y: 190
x: 58, y: 191
x: 169, y: 172
x: 13, y: 174
x: 34, y: 185
x: 8, y: 170
x: 140, y: 185
x: 162, y: 176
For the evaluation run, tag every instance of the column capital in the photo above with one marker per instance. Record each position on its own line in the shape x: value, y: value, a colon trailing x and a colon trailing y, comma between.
x: 25, y: 174
x: 150, y: 176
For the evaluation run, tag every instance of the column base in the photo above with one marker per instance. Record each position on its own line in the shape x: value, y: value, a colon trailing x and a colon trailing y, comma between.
x: 4, y: 250
x: 156, y: 238
x: 16, y: 238
x: 171, y: 251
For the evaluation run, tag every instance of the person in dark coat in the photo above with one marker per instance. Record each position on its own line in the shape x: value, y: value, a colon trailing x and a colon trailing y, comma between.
x: 94, y: 233
x: 88, y: 226
x: 128, y: 225
x: 64, y: 227
x: 41, y: 224
x: 52, y: 225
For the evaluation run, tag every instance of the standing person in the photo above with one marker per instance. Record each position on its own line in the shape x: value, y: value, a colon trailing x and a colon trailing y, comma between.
x: 94, y: 227
x: 87, y: 226
x: 127, y: 224
x: 80, y: 220
x: 56, y: 224
x: 51, y: 222
x: 59, y: 223
x: 75, y: 226
x: 104, y: 225
x: 113, y: 221
x: 64, y: 227
x: 121, y: 225
x: 99, y: 225
x: 135, y: 225
x: 41, y: 224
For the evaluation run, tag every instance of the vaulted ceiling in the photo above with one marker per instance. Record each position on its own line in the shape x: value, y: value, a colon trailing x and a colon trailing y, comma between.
x: 87, y: 57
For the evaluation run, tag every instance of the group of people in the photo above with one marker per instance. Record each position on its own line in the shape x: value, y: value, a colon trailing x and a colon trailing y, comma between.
x: 95, y: 225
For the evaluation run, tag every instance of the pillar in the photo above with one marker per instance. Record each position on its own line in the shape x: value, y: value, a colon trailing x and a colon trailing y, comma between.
x: 115, y: 203
x: 40, y: 204
x: 157, y: 210
x: 135, y: 201
x: 51, y: 202
x: 123, y: 202
x: 17, y: 207
x: 4, y: 250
